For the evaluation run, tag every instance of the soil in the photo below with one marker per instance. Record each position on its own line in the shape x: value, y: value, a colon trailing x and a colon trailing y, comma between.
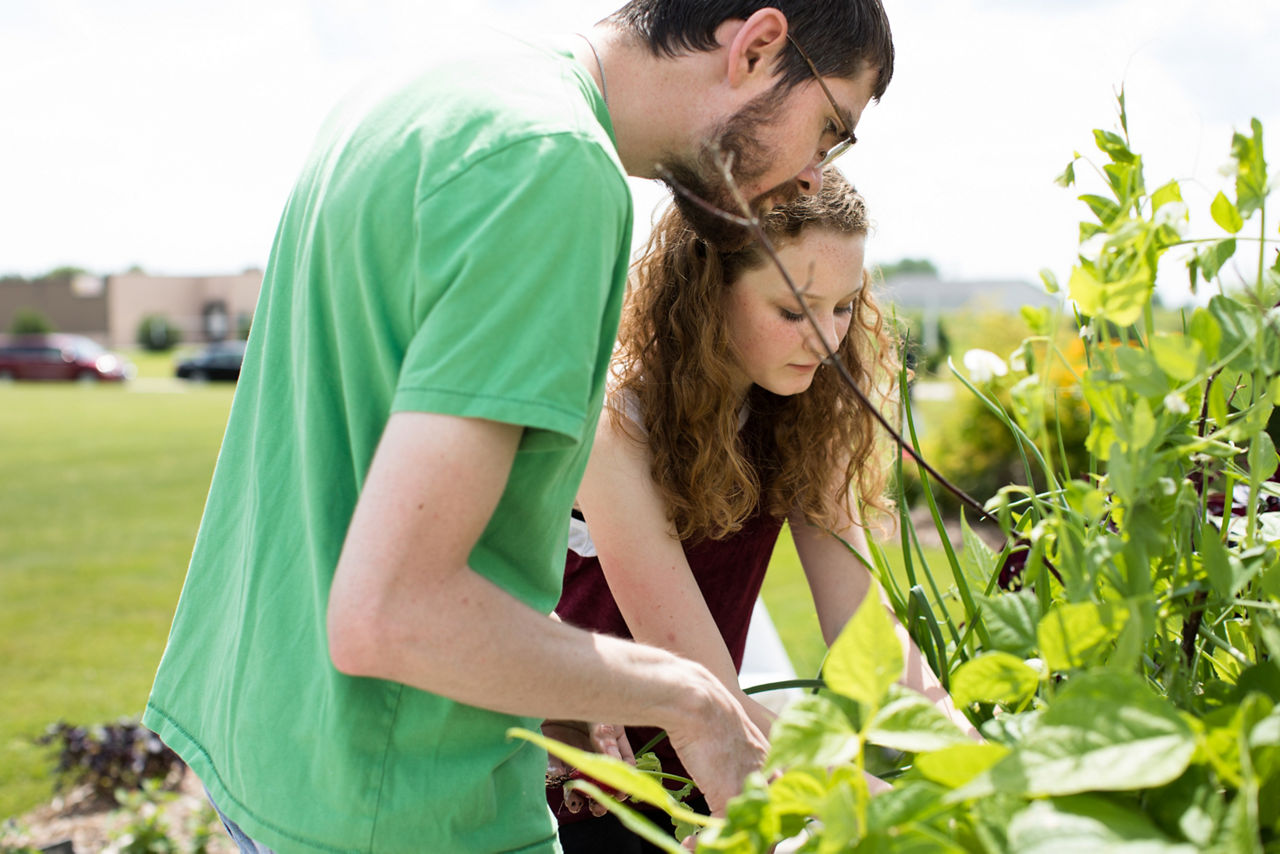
x: 92, y: 824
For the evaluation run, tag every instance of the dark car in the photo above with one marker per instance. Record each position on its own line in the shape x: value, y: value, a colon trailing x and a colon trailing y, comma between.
x: 57, y: 356
x: 218, y: 361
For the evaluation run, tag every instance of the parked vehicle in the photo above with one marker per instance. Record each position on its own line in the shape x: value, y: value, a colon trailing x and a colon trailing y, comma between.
x: 218, y: 361
x: 58, y: 356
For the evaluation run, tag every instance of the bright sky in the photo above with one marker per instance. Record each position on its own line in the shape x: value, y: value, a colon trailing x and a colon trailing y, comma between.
x: 168, y: 134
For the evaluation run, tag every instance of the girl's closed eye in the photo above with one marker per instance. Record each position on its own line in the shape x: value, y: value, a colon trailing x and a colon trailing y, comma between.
x: 847, y: 308
x: 791, y: 316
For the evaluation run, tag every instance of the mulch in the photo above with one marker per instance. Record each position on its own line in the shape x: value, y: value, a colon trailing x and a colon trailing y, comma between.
x: 92, y: 824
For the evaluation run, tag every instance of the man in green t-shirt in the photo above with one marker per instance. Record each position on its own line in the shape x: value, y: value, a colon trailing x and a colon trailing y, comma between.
x: 366, y: 610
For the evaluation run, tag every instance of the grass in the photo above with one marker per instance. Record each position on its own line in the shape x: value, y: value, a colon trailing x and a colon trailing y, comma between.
x: 104, y: 486
x: 786, y: 596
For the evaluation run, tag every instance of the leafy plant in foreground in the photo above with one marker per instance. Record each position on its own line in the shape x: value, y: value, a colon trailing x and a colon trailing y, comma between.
x: 1120, y: 652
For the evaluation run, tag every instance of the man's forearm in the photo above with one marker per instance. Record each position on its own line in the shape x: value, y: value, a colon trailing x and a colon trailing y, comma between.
x: 465, y: 638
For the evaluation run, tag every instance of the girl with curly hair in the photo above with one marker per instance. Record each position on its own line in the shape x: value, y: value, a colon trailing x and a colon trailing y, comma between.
x: 723, y: 420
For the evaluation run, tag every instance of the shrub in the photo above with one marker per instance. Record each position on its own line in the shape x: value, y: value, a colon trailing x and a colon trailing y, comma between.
x: 156, y: 333
x: 28, y: 321
x: 972, y: 444
x: 111, y: 758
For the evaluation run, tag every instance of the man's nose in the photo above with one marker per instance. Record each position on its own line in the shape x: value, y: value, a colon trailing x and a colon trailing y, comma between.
x: 810, y: 180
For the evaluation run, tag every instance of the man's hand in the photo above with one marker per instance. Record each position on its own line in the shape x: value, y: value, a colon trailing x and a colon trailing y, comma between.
x: 606, y: 739
x: 719, y: 747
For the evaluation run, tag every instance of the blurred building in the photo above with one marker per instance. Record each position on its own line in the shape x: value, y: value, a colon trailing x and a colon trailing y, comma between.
x: 933, y: 297
x: 110, y: 309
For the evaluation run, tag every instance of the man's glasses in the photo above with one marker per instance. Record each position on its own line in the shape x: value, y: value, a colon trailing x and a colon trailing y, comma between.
x: 842, y: 130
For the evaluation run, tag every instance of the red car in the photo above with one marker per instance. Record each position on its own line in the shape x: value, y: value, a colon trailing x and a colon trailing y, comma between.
x: 59, y: 357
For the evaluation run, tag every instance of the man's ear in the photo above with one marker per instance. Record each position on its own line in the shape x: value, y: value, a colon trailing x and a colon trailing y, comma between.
x: 755, y: 45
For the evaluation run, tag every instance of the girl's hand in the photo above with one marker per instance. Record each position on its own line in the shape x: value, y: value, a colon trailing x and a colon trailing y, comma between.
x: 606, y: 739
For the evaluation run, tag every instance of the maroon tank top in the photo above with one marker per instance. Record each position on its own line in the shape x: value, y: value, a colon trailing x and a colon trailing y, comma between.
x: 729, y: 573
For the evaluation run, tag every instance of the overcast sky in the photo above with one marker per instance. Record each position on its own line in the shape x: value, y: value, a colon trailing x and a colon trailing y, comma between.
x: 167, y: 133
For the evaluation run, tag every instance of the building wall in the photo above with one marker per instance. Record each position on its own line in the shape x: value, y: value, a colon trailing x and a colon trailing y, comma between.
x: 181, y: 300
x: 60, y: 301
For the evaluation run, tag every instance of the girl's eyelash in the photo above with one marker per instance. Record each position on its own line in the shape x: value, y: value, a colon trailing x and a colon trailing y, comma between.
x: 791, y: 316
x: 844, y: 309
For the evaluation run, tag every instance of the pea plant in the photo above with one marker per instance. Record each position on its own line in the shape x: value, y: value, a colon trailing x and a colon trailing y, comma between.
x: 1121, y: 652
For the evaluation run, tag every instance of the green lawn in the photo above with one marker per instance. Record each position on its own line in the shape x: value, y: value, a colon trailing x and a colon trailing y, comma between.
x: 103, y: 489
x: 786, y: 596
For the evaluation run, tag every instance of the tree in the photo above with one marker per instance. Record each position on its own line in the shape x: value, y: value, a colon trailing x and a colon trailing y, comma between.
x: 29, y: 321
x: 919, y: 266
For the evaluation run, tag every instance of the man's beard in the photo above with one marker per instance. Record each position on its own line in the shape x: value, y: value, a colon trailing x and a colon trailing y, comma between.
x: 704, y: 179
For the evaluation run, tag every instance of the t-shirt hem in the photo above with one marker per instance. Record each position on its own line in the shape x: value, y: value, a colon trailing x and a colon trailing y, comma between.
x: 198, y: 760
x: 565, y: 424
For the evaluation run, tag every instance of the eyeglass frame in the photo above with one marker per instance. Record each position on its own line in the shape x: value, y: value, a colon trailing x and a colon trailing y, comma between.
x: 840, y: 148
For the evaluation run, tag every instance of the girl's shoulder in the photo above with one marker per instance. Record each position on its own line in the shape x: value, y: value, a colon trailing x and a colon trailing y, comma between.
x: 624, y: 403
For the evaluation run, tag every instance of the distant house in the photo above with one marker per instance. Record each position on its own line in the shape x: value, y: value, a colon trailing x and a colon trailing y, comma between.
x: 933, y: 297
x: 110, y: 309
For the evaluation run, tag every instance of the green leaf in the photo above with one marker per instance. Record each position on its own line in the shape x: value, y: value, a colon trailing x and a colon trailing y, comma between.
x: 630, y: 818
x: 956, y: 765
x: 1075, y: 635
x: 977, y: 560
x: 1170, y: 192
x: 1251, y: 169
x: 1103, y: 208
x: 1039, y: 319
x: 867, y: 657
x: 1113, y: 146
x: 1085, y: 291
x: 1211, y: 259
x: 1205, y: 329
x: 1137, y: 433
x: 1050, y: 280
x: 813, y: 730
x: 1141, y: 375
x: 614, y: 773
x: 1068, y: 176
x: 1225, y: 214
x: 1262, y: 459
x: 841, y: 827
x: 1088, y: 823
x: 911, y: 723
x: 1011, y: 620
x: 901, y: 805
x: 1104, y: 731
x: 994, y: 677
x: 799, y: 791
x: 1178, y: 356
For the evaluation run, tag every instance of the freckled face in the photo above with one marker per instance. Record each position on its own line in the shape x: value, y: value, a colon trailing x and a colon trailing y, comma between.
x: 774, y: 344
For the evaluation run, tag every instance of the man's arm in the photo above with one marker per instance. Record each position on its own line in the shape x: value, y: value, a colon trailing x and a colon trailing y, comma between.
x: 405, y: 606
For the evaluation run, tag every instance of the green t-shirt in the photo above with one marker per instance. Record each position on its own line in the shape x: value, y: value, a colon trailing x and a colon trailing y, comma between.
x: 457, y: 244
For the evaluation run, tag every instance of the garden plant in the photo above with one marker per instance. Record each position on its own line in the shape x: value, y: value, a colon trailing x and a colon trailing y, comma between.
x: 1119, y: 653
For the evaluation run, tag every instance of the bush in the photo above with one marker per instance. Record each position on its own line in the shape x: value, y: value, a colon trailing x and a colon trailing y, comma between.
x: 156, y: 333
x: 972, y: 444
x: 28, y: 321
x: 110, y: 758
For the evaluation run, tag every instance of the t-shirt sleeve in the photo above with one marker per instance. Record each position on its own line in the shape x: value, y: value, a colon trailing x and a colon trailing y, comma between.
x: 518, y: 259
